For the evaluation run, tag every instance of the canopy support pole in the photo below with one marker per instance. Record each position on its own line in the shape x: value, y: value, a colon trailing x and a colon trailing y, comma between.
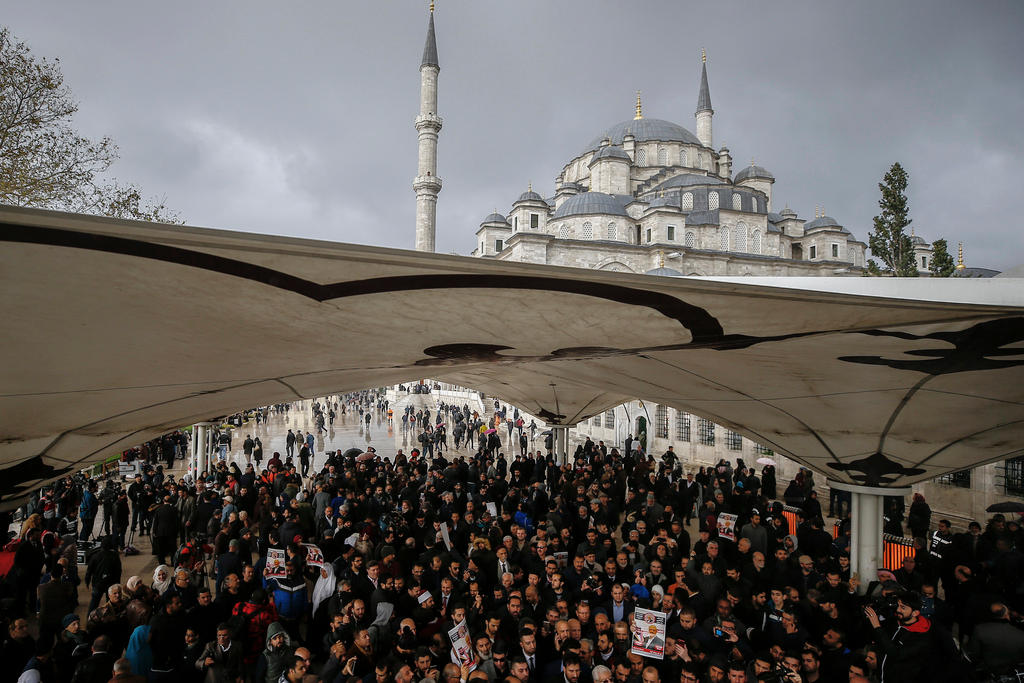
x: 866, y: 537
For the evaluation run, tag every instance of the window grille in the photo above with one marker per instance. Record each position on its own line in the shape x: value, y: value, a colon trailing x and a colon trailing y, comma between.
x: 588, y: 231
x: 683, y: 427
x: 755, y: 242
x: 687, y: 201
x: 609, y: 419
x: 661, y: 422
x: 733, y: 441
x: 712, y: 201
x: 691, y: 240
x: 960, y: 480
x: 707, y: 432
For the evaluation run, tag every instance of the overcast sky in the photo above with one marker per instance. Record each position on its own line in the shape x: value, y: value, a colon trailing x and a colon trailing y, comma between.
x: 297, y: 118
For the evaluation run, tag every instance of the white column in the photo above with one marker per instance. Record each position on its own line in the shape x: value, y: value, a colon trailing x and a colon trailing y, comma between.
x: 866, y: 538
x: 201, y: 450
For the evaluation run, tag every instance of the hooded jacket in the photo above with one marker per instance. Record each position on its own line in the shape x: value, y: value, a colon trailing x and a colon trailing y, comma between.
x: 274, y: 661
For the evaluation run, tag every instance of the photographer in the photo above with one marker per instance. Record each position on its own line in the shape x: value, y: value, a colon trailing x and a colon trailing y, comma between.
x: 907, y: 647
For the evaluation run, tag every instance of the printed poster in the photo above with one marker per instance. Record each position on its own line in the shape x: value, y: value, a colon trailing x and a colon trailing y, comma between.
x: 314, y: 556
x: 462, y: 652
x: 275, y: 564
x: 444, y: 535
x: 562, y: 558
x: 493, y: 509
x: 649, y: 633
x: 727, y: 526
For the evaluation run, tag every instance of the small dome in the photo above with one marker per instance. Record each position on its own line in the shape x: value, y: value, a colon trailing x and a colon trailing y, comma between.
x: 593, y: 202
x: 917, y: 240
x: 753, y: 171
x: 664, y: 272
x: 788, y: 213
x: 823, y: 222
x: 689, y: 180
x: 610, y: 152
x: 495, y: 218
x: 530, y: 196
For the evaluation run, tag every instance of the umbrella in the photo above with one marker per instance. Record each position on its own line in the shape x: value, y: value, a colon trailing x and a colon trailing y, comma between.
x: 545, y: 432
x: 365, y: 456
x: 438, y: 425
x: 766, y: 461
x: 352, y: 452
x: 490, y: 431
x: 1008, y: 506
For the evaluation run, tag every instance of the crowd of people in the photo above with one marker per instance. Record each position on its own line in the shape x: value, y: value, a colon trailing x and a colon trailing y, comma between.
x: 361, y: 569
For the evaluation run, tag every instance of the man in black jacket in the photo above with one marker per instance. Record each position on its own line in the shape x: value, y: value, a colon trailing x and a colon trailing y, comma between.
x: 165, y: 530
x: 103, y: 571
x: 909, y: 646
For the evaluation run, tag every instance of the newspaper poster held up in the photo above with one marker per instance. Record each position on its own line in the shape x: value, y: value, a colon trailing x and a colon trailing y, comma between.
x: 462, y: 651
x: 727, y: 526
x: 649, y: 633
x: 275, y: 564
x: 314, y: 556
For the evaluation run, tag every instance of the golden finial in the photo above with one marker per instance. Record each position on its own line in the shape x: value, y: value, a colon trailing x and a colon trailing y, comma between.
x: 661, y: 259
x: 431, y: 6
x: 703, y: 56
x: 822, y: 210
x: 960, y: 256
x: 815, y: 210
x: 639, y: 108
x: 751, y: 162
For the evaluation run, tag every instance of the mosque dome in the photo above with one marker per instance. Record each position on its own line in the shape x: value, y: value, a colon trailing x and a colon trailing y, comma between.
x: 643, y: 130
x: 495, y: 218
x: 530, y: 196
x: 591, y: 203
x: 610, y: 152
x: 688, y: 180
x: 822, y: 222
x: 752, y: 171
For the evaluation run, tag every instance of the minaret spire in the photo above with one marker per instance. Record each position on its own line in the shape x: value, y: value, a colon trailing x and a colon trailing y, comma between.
x: 704, y: 110
x: 428, y: 124
x: 639, y: 107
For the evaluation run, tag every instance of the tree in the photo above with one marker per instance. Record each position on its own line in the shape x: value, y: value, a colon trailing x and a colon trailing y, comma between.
x: 942, y: 262
x: 889, y: 240
x: 44, y: 163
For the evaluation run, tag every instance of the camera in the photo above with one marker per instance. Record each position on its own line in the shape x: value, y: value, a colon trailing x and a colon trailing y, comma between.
x: 719, y: 632
x: 884, y: 606
x: 407, y: 639
x: 591, y: 582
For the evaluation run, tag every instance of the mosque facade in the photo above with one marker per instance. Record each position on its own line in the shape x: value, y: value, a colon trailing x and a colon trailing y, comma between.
x: 649, y: 196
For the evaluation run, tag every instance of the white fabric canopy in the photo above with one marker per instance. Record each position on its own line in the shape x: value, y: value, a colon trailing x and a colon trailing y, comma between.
x: 119, y: 331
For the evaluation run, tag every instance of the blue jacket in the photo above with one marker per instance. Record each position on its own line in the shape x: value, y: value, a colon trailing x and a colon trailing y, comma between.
x: 290, y: 596
x: 89, y: 505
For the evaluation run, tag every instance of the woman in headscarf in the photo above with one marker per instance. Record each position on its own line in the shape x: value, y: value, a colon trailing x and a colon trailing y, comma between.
x: 161, y: 579
x: 322, y: 592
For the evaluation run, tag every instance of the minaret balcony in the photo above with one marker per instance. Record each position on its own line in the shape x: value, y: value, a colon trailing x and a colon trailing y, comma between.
x: 430, y: 183
x: 429, y: 121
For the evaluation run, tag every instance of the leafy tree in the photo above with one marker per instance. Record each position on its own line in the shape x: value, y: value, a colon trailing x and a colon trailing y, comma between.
x: 44, y: 163
x: 942, y: 262
x: 889, y: 240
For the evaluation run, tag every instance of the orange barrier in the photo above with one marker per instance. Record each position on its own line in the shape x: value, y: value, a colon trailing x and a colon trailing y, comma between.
x: 790, y: 515
x: 894, y: 549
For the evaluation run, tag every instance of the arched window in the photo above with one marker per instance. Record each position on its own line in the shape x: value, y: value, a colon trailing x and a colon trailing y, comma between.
x: 588, y: 230
x: 739, y: 241
x: 755, y: 242
x: 662, y: 157
x: 737, y: 202
x: 563, y: 232
x: 687, y: 202
x: 682, y: 157
x: 753, y: 204
x: 691, y: 239
x: 641, y: 157
x: 723, y: 238
x: 612, y: 233
x: 712, y: 201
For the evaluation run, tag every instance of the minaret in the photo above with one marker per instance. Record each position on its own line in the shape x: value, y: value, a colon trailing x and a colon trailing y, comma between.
x: 428, y: 124
x: 704, y: 110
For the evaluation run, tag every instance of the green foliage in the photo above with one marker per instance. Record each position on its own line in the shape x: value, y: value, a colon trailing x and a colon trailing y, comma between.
x: 889, y: 241
x: 942, y: 263
x: 44, y: 163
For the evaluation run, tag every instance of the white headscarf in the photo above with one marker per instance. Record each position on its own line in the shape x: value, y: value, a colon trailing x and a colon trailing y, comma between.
x: 161, y: 586
x: 324, y: 587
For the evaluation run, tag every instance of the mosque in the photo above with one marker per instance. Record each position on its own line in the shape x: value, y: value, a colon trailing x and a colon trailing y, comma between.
x: 646, y: 192
x: 649, y: 196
